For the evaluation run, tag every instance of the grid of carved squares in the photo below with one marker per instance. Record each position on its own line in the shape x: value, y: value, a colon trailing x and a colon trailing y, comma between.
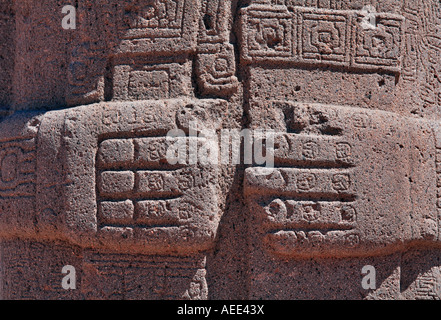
x: 322, y: 36
x: 137, y: 186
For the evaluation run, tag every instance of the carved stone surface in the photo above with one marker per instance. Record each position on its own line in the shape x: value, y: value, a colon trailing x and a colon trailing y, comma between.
x: 325, y: 189
x: 350, y: 92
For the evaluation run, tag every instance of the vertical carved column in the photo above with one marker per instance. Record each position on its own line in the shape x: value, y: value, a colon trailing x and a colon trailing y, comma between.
x: 216, y: 62
x: 307, y: 215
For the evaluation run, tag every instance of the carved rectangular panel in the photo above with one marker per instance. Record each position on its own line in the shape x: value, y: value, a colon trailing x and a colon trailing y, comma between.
x: 215, y: 63
x: 138, y: 188
x: 321, y: 198
x: 130, y: 277
x: 410, y: 60
x: 144, y: 80
x: 216, y: 69
x: 267, y: 32
x: 152, y: 19
x: 326, y: 4
x: 157, y: 26
x: 427, y: 286
x: 321, y: 37
x: 17, y: 168
x: 214, y: 20
x: 132, y: 198
x: 18, y: 174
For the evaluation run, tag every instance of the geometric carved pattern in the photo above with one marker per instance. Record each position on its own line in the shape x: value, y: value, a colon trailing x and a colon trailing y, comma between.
x: 17, y: 168
x: 326, y: 4
x: 321, y: 37
x: 308, y: 206
x: 380, y: 46
x: 410, y: 59
x: 144, y: 277
x: 18, y: 175
x: 213, y: 21
x: 140, y: 201
x: 267, y: 32
x: 309, y: 199
x: 216, y: 62
x: 216, y: 69
x: 156, y: 26
x: 138, y: 188
x: 325, y: 36
x: 319, y: 199
x: 143, y: 194
x: 142, y: 80
x: 427, y: 286
x: 152, y: 19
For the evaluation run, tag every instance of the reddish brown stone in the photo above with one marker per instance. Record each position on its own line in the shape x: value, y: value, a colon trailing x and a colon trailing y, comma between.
x: 352, y: 90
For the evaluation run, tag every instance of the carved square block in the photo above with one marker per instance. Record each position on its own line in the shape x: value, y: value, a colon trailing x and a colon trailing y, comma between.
x: 153, y: 26
x: 267, y: 32
x: 123, y: 193
x: 116, y: 212
x: 216, y: 70
x: 325, y: 36
x: 380, y: 45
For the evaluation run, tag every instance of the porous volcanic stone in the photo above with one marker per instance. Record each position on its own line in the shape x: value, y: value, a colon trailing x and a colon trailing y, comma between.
x: 351, y: 91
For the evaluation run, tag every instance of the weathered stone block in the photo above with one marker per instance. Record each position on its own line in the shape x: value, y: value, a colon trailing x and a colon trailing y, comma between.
x: 350, y: 89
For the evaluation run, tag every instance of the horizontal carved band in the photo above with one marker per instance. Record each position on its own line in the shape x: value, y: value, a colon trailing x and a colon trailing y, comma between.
x: 345, y: 38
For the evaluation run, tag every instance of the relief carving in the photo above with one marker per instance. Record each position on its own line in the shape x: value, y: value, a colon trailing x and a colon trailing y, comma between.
x: 350, y: 91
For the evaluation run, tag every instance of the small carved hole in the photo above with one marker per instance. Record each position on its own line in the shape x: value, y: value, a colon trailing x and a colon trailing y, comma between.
x: 208, y: 22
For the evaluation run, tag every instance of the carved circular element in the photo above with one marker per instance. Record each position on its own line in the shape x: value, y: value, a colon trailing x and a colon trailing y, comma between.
x: 276, y: 209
